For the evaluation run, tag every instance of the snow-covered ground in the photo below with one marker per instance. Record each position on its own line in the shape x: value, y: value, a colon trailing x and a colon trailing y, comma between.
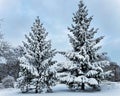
x: 108, y: 89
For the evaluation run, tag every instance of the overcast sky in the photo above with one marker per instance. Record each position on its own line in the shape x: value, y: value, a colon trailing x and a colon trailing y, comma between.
x: 56, y: 15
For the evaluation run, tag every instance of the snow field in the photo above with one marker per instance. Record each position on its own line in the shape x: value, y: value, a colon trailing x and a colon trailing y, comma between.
x: 108, y: 89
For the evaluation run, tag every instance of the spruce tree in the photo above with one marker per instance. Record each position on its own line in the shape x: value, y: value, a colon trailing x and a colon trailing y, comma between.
x: 38, y: 58
x: 85, y: 66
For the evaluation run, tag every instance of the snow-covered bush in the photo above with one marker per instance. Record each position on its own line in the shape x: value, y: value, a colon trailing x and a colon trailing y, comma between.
x: 1, y: 86
x: 8, y: 82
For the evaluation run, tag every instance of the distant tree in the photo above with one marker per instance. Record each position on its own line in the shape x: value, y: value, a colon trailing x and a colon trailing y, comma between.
x: 84, y: 66
x: 38, y: 61
x: 4, y: 46
x: 9, y: 59
x: 115, y: 68
x: 12, y: 65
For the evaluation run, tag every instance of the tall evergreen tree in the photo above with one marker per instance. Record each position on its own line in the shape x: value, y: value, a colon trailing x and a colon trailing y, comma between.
x: 85, y: 66
x: 38, y: 59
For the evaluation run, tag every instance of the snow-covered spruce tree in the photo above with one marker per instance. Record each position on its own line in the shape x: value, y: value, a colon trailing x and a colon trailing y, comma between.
x: 85, y: 66
x: 39, y: 59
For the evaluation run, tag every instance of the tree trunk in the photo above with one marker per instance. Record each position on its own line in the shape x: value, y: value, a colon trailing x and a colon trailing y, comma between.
x: 83, y: 86
x: 49, y: 90
x: 36, y: 89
